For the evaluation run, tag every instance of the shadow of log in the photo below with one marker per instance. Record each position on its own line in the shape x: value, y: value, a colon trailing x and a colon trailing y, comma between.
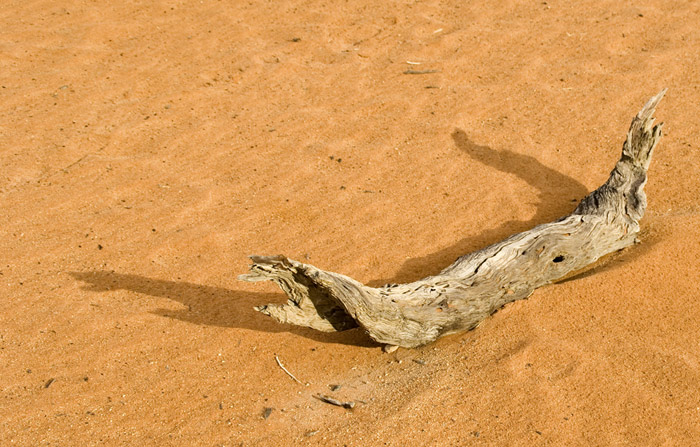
x: 211, y: 306
x: 217, y: 306
x: 557, y: 196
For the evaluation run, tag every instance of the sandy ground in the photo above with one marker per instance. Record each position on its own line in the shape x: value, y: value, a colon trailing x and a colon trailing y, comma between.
x: 146, y: 148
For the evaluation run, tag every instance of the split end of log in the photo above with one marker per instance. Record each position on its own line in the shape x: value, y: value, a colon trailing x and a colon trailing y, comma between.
x: 477, y: 284
x: 309, y: 304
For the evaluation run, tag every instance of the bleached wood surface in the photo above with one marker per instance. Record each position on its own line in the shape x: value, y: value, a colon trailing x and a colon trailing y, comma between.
x: 479, y: 283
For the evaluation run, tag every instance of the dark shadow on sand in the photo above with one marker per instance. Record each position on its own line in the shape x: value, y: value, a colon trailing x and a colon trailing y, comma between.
x: 212, y: 306
x: 557, y: 197
x: 217, y: 306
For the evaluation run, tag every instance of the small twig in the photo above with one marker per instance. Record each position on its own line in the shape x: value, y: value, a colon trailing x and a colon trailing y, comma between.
x: 287, y: 371
x: 419, y: 72
x: 336, y: 402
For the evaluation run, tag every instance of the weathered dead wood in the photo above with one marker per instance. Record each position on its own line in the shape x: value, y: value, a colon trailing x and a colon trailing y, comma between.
x: 479, y: 283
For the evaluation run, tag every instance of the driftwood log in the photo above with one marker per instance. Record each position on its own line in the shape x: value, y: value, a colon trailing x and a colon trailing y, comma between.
x: 479, y: 283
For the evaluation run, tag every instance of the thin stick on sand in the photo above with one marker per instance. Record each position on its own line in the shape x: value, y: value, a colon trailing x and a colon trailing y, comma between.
x: 287, y: 371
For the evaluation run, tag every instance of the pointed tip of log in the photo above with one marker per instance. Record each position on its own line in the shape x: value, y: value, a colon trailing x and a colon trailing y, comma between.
x: 650, y: 106
x: 643, y: 135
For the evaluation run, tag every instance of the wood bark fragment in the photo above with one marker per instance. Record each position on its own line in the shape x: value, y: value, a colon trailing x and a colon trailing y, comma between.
x: 479, y: 283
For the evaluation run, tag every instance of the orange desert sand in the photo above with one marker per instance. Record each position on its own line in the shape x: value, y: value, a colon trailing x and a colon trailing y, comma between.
x: 146, y: 148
